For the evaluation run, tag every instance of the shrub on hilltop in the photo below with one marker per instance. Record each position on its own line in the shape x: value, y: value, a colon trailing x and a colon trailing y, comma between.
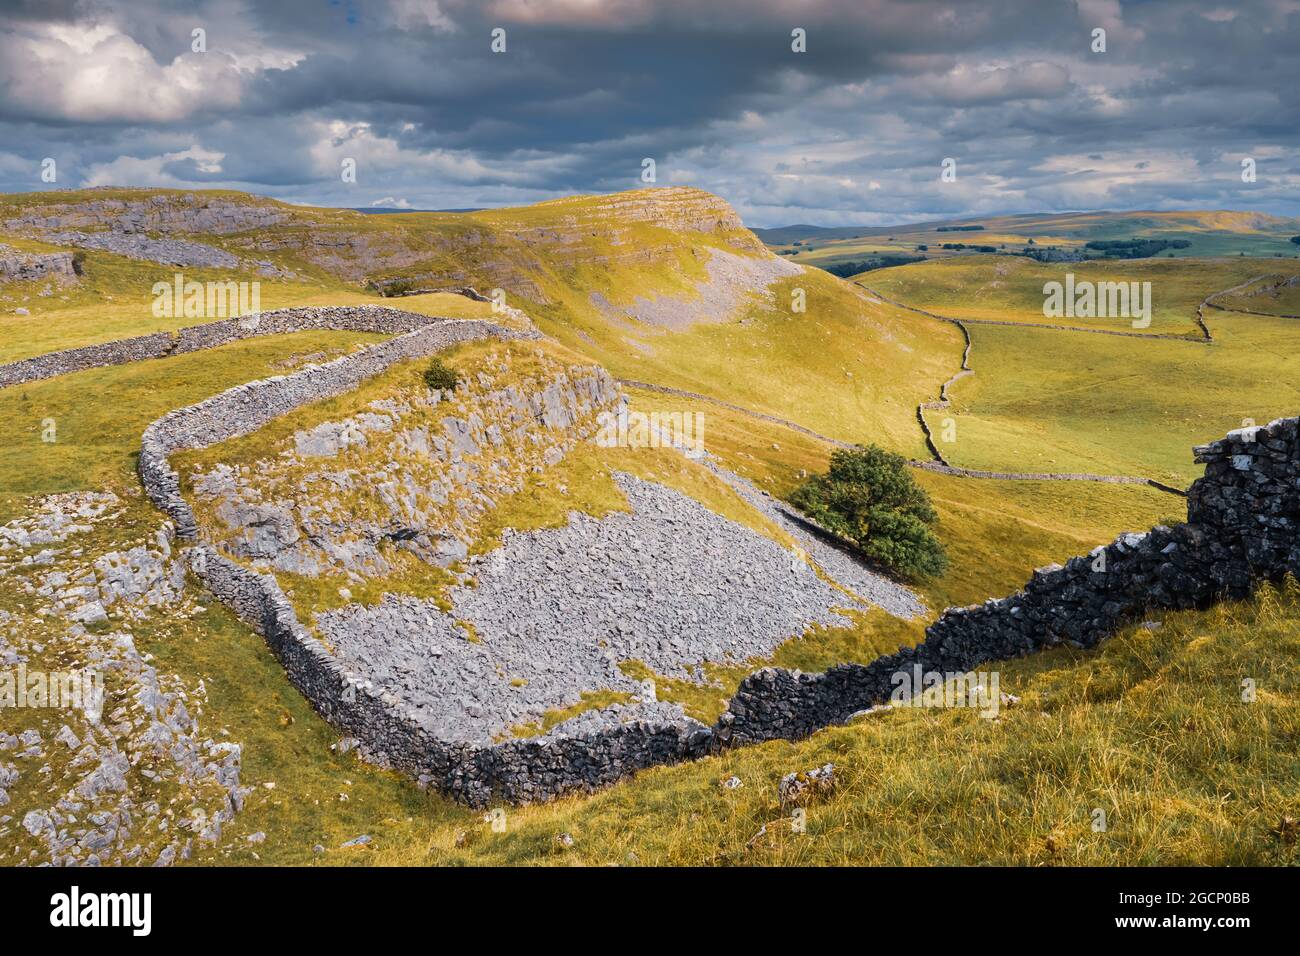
x: 870, y: 498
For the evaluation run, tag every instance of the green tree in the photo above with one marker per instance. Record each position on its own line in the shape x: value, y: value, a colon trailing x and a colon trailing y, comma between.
x: 870, y: 498
x: 439, y: 376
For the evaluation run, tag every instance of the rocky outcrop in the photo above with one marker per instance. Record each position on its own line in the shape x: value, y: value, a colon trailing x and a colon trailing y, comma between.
x: 247, y: 407
x: 412, y: 472
x: 102, y: 730
x: 32, y: 267
x: 170, y: 252
x: 167, y: 213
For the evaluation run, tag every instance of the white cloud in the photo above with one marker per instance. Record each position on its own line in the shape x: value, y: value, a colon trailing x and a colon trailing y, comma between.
x: 419, y: 14
x: 96, y: 73
x: 152, y: 170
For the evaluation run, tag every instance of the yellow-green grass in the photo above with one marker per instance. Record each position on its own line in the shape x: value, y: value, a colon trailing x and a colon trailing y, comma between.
x: 114, y: 300
x: 995, y: 531
x: 1151, y: 728
x: 1264, y: 296
x: 1011, y: 289
x: 1069, y: 402
x: 99, y: 415
x: 846, y: 368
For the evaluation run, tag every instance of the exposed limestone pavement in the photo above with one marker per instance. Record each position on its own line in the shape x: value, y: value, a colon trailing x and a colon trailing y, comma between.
x: 103, y: 756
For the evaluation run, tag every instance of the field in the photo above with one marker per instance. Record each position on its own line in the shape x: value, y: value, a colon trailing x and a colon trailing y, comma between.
x: 1070, y: 402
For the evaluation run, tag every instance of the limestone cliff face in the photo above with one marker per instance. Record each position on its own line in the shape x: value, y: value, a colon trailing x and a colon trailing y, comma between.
x: 413, y: 471
x: 677, y: 208
x: 167, y: 213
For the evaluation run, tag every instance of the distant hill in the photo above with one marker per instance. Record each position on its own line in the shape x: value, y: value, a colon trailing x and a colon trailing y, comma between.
x: 1197, y: 233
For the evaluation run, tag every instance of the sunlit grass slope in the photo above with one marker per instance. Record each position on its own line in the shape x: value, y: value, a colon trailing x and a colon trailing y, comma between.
x: 847, y: 368
x: 1066, y: 401
x: 1004, y: 288
x: 838, y: 363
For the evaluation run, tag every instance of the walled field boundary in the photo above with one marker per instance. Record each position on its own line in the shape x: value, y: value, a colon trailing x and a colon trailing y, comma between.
x: 360, y: 318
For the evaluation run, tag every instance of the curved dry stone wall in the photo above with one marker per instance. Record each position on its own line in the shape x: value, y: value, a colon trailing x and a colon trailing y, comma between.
x: 1241, y: 527
x: 520, y: 770
x: 360, y: 318
x: 1242, y: 518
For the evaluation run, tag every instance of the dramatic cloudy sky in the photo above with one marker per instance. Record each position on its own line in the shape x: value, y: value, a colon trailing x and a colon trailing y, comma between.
x: 852, y: 131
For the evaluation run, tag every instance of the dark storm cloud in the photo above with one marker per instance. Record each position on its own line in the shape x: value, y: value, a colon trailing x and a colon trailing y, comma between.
x: 852, y: 131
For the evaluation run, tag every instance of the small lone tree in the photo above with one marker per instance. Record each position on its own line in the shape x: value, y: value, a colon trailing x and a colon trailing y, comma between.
x: 871, y: 499
x: 439, y: 376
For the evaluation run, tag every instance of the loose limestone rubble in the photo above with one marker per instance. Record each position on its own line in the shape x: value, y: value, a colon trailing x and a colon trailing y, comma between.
x: 671, y: 585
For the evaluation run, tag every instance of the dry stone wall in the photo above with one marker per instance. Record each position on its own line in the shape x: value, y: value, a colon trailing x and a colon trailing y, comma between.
x: 520, y: 770
x: 1241, y: 528
x: 361, y: 318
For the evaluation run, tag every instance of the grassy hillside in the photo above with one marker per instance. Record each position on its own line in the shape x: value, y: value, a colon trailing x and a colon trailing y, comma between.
x: 996, y: 288
x: 1068, y: 401
x: 582, y: 268
x: 1150, y: 727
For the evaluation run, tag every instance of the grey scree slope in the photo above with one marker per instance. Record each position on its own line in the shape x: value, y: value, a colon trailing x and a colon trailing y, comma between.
x: 672, y: 584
